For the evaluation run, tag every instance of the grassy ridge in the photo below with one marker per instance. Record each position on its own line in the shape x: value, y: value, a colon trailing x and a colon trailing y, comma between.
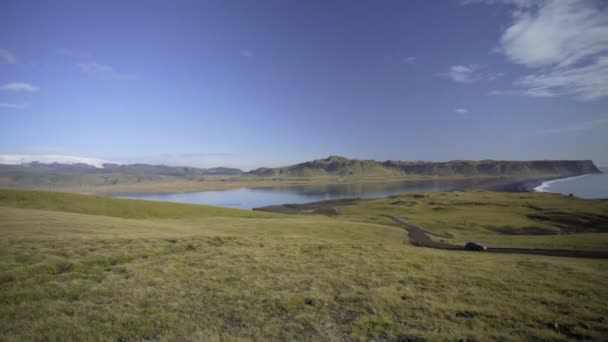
x: 71, y: 271
x: 343, y: 167
x: 106, y: 206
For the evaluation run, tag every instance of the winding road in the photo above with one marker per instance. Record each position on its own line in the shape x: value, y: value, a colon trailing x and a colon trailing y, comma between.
x: 419, y: 237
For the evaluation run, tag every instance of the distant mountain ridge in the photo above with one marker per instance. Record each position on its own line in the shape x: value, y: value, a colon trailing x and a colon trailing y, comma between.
x: 17, y: 159
x: 37, y: 175
x: 344, y: 167
x: 135, y: 169
x: 40, y: 175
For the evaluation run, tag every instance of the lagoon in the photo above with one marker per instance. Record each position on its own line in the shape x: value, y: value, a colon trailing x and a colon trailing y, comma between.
x: 248, y: 198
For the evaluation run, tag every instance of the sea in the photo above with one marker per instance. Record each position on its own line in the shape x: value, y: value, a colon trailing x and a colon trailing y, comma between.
x: 593, y: 186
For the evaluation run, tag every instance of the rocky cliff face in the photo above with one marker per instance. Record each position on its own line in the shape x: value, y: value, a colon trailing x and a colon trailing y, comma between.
x: 339, y: 166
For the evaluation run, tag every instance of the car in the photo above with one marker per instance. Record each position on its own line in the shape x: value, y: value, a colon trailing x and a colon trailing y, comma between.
x: 475, y: 246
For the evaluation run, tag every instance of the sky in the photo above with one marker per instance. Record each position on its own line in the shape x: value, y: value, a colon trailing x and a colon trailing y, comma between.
x: 267, y: 83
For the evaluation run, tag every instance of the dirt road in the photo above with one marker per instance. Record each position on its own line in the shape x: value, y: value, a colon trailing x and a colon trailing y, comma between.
x: 419, y: 237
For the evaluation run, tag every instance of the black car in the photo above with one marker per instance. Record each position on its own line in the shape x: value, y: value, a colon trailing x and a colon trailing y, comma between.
x: 474, y: 246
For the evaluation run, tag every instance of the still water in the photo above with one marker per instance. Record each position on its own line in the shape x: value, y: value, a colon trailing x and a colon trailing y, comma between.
x: 247, y: 198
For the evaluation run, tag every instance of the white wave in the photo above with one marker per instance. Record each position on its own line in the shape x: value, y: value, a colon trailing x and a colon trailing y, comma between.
x: 51, y: 158
x: 544, y: 186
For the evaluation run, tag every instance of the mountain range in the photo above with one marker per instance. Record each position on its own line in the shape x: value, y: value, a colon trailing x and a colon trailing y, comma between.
x: 42, y: 175
x: 58, y: 175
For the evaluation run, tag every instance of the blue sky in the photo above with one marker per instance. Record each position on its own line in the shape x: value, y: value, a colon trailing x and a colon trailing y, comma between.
x: 265, y: 83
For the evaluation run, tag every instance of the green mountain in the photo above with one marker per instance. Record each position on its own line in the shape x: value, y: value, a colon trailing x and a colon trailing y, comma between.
x: 331, y: 166
x: 342, y: 167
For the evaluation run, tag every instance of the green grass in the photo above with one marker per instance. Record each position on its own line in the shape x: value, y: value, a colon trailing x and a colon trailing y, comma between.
x: 88, y: 268
x: 473, y: 215
x: 106, y: 206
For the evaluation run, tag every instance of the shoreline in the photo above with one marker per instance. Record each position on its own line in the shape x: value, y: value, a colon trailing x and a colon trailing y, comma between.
x: 532, y: 185
x: 512, y: 185
x: 543, y: 188
x: 544, y: 185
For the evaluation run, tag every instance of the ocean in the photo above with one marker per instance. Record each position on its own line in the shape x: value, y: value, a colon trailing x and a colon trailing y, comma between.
x: 586, y: 186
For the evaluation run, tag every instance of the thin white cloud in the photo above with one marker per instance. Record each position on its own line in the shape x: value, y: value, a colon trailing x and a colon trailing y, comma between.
x: 409, y: 60
x: 576, y: 126
x: 20, y: 86
x: 50, y: 158
x: 103, y: 70
x: 566, y: 44
x: 8, y: 56
x: 470, y: 73
x: 13, y: 105
x: 244, y: 161
x: 461, y: 110
x: 588, y: 82
x: 462, y: 73
x: 247, y: 53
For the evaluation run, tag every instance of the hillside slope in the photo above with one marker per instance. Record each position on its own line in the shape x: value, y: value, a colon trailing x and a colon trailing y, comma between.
x: 83, y: 268
x: 343, y: 167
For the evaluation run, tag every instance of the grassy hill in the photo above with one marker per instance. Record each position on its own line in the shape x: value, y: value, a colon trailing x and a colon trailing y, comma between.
x: 331, y: 166
x: 343, y: 167
x: 76, y: 267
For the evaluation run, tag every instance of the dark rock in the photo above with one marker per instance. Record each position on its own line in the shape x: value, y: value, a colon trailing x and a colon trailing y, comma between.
x: 466, y: 314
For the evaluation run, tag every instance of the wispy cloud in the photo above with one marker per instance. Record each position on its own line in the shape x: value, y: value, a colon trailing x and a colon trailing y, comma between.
x: 576, y: 126
x: 13, y: 105
x: 461, y: 110
x: 565, y: 43
x: 247, y: 53
x: 8, y: 56
x: 243, y: 161
x: 505, y: 92
x: 462, y: 73
x: 409, y: 60
x: 20, y: 86
x: 103, y: 70
x: 470, y: 73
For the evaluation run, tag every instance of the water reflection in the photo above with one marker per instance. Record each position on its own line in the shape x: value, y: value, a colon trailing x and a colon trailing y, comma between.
x: 247, y: 198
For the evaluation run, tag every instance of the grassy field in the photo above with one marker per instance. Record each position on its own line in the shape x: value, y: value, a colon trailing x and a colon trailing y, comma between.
x: 527, y: 220
x: 75, y: 267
